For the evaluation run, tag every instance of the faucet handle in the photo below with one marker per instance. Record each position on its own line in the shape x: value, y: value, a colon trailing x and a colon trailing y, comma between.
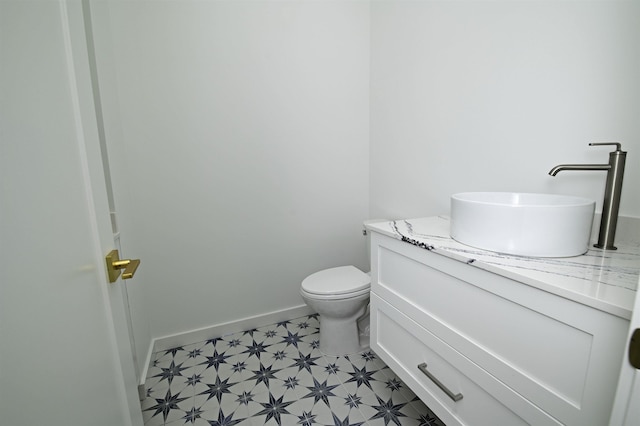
x: 617, y: 144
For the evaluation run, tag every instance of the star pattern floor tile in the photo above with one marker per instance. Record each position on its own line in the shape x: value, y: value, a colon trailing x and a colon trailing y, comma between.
x: 276, y: 375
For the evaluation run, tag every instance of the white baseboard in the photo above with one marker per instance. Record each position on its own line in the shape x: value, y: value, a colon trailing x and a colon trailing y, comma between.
x: 219, y: 330
x: 142, y: 389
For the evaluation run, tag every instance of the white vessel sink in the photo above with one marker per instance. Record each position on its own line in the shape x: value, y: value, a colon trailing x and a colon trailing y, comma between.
x: 538, y: 225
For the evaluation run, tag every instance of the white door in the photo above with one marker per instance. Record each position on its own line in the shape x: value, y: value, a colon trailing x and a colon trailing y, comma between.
x: 626, y: 408
x: 65, y: 356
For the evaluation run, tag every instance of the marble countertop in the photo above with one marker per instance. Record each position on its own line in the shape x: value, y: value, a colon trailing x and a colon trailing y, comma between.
x: 605, y: 280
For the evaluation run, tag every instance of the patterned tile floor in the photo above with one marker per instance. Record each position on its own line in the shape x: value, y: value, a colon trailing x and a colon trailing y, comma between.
x: 275, y: 375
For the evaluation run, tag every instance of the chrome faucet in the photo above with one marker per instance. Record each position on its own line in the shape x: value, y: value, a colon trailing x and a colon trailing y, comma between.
x: 613, y: 189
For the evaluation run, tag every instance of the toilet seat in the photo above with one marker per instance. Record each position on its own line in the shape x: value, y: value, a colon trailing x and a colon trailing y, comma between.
x: 340, y: 282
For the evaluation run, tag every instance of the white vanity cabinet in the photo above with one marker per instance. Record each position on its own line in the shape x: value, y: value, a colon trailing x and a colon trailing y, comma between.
x: 499, y: 352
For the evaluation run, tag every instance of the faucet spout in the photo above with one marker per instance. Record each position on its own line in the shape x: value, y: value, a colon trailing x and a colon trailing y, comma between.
x: 612, y: 192
x: 557, y: 169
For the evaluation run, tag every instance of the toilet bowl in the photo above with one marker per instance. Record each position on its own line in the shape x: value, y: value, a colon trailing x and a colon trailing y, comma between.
x: 340, y: 297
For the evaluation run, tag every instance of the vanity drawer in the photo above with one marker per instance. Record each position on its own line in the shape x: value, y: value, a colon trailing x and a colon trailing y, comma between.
x: 406, y: 347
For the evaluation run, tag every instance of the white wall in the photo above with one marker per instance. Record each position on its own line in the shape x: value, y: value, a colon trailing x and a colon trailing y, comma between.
x: 473, y: 96
x: 245, y: 134
x: 255, y: 136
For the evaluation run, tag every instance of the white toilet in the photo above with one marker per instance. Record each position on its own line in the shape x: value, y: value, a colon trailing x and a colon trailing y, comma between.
x: 340, y: 296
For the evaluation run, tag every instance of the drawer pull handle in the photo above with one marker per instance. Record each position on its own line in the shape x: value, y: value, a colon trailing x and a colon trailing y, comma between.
x: 455, y: 396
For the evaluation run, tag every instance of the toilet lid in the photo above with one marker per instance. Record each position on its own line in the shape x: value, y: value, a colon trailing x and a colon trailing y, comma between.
x: 340, y: 280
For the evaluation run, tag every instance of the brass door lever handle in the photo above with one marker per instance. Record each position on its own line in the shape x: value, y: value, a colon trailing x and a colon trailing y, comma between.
x: 114, y: 265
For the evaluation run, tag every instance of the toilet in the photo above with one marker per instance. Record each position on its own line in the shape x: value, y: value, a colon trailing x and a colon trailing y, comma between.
x: 340, y: 296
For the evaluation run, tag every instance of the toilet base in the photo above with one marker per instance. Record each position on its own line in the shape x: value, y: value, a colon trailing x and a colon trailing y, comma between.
x: 342, y: 337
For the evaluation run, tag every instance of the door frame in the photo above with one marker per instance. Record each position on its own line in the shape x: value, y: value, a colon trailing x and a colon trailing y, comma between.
x: 92, y: 157
x: 626, y: 406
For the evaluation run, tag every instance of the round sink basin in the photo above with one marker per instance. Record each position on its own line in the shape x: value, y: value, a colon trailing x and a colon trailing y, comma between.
x: 524, y: 224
